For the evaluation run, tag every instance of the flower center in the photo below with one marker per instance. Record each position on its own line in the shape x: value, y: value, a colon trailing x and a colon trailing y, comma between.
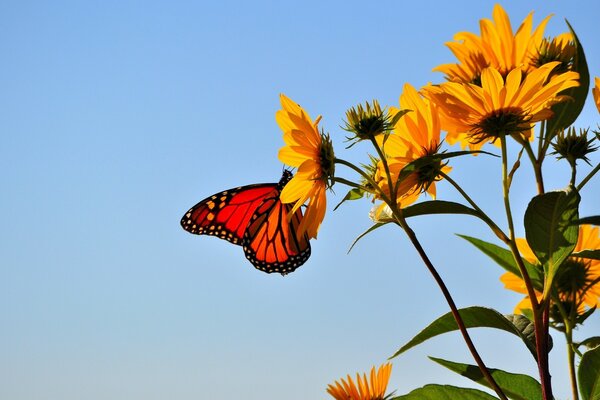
x: 506, y: 121
x: 573, y: 276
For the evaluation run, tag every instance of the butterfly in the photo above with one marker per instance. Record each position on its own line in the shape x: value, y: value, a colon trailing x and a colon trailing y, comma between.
x: 254, y: 217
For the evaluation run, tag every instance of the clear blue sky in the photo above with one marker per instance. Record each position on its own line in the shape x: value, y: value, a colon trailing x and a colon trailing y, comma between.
x: 117, y: 116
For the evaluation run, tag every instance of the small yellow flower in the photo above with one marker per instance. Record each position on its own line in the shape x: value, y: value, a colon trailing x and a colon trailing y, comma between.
x: 577, y: 281
x: 596, y: 92
x: 475, y: 114
x: 363, y: 389
x: 416, y: 134
x: 496, y: 47
x: 312, y: 153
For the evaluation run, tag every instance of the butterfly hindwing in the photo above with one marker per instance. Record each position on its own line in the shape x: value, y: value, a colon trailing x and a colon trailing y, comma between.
x: 271, y: 242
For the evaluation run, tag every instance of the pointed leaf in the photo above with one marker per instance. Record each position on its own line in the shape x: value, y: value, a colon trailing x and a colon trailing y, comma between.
x: 550, y: 231
x: 473, y: 317
x: 591, y: 254
x: 371, y: 229
x: 353, y: 194
x: 437, y: 207
x: 505, y: 259
x: 595, y: 220
x: 566, y: 113
x: 589, y: 375
x: 590, y: 342
x: 445, y: 392
x: 515, y: 386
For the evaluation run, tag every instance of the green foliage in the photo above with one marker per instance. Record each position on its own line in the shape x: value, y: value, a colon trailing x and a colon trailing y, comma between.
x: 473, y: 317
x: 371, y: 229
x: 437, y: 207
x: 506, y: 260
x: 566, y: 113
x: 590, y: 342
x: 353, y: 194
x: 445, y: 392
x: 589, y: 375
x: 591, y: 254
x: 594, y: 220
x: 515, y: 386
x: 550, y: 230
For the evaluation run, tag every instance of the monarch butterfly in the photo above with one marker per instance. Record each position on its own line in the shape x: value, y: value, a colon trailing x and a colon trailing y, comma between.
x: 254, y: 217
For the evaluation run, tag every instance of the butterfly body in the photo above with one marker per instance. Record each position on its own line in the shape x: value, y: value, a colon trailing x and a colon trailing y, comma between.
x: 254, y: 217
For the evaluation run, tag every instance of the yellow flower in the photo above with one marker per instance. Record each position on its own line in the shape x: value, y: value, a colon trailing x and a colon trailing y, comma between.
x: 475, y: 114
x: 311, y: 152
x: 577, y: 281
x: 596, y: 92
x: 416, y: 134
x: 496, y: 47
x: 362, y: 389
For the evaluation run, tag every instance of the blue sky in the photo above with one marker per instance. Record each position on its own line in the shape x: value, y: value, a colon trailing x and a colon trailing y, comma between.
x: 117, y: 116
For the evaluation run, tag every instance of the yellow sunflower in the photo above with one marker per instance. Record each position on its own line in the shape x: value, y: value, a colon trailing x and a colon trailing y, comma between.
x: 497, y: 46
x: 596, y: 92
x: 311, y: 153
x: 577, y: 281
x: 415, y: 135
x: 363, y: 389
x: 476, y: 114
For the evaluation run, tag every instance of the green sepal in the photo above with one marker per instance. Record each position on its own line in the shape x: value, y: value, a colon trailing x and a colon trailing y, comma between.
x: 353, y: 194
x: 397, y: 116
x: 506, y: 260
x: 588, y: 375
x: 566, y: 112
x: 515, y: 386
x: 437, y: 207
x: 550, y: 231
x: 473, y: 317
x: 445, y: 392
x: 424, y: 161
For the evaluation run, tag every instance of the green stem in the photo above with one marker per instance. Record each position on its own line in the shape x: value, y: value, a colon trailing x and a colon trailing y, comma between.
x: 588, y: 177
x: 446, y: 293
x: 541, y: 329
x: 482, y: 215
x: 386, y: 166
x: 366, y: 176
x: 537, y: 166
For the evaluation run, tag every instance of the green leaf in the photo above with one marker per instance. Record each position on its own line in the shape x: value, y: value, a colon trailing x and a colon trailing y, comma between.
x: 595, y: 220
x: 505, y: 259
x: 371, y: 229
x: 397, y: 116
x: 565, y: 113
x: 353, y: 194
x: 515, y: 386
x: 445, y: 392
x: 590, y: 342
x: 473, y: 317
x: 550, y: 231
x: 437, y: 207
x: 589, y: 375
x: 591, y: 254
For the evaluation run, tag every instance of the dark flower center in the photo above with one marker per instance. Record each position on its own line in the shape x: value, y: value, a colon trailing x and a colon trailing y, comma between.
x: 507, y: 121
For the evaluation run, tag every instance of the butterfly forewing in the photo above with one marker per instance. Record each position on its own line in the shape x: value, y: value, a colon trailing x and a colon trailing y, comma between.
x: 227, y: 214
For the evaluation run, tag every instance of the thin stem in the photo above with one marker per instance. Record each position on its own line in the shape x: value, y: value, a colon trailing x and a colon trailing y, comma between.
x: 537, y: 166
x: 571, y: 360
x: 386, y: 166
x: 588, y: 177
x: 482, y: 215
x: 455, y: 313
x: 366, y: 176
x: 541, y: 329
